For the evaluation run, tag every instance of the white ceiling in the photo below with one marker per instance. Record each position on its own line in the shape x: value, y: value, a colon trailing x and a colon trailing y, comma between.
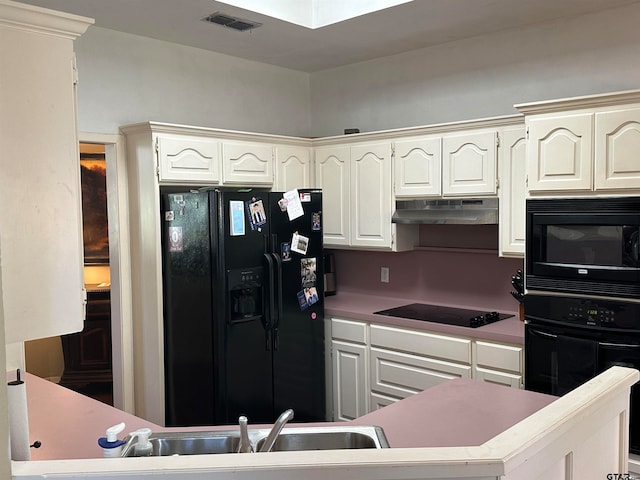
x: 408, y: 26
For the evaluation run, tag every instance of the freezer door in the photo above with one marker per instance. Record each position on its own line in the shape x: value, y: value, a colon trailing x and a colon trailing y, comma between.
x: 298, y: 332
x: 188, y: 348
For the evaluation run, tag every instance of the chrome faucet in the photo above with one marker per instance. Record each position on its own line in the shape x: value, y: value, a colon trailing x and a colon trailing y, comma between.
x: 245, y: 445
x: 270, y: 441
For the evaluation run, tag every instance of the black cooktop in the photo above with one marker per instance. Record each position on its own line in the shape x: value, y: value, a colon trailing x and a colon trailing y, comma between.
x: 448, y: 315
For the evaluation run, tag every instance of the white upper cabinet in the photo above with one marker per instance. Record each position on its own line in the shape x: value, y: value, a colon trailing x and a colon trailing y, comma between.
x: 371, y: 195
x: 513, y: 172
x: 333, y: 177
x: 417, y: 167
x: 188, y: 159
x: 293, y: 168
x: 560, y: 151
x: 617, y: 147
x: 469, y: 163
x: 584, y: 144
x: 247, y: 163
x: 357, y: 198
x: 41, y: 244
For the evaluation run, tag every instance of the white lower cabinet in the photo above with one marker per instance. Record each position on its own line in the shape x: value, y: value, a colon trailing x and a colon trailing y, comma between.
x: 404, y: 361
x: 349, y: 367
x: 498, y: 363
x: 349, y: 380
x: 401, y: 374
x: 376, y: 365
x: 378, y: 401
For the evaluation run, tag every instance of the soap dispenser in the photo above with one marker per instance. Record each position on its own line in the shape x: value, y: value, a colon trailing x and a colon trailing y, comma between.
x: 111, y: 445
x: 143, y: 447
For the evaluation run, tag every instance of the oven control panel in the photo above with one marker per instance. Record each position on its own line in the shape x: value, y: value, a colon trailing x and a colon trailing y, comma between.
x: 583, y: 311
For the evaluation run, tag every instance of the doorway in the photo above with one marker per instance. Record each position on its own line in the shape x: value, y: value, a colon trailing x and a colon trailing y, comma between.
x: 44, y: 357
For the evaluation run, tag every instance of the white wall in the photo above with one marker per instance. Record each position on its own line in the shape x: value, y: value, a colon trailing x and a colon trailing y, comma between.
x: 5, y: 464
x: 481, y: 77
x: 128, y: 79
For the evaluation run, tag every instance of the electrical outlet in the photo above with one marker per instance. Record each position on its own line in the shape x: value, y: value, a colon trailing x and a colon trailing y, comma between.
x: 384, y: 274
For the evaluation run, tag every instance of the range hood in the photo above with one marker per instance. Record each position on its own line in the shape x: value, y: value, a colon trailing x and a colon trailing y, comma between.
x: 469, y: 211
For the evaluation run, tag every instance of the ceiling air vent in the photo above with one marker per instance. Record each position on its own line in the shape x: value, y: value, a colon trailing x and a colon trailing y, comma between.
x: 231, y: 22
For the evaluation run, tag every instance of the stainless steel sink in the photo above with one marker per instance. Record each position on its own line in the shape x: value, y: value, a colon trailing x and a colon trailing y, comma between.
x: 313, y: 439
x: 187, y: 443
x: 290, y: 439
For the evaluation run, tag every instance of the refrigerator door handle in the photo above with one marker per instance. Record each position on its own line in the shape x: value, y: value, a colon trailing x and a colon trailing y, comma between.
x: 269, y: 313
x: 278, y: 300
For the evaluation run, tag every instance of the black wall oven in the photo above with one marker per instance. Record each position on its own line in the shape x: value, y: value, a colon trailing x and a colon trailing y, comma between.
x: 582, y: 302
x: 584, y: 246
x: 569, y: 340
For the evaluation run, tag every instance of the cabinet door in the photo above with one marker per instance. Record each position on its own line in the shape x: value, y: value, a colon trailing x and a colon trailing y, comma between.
x: 349, y: 380
x: 417, y: 167
x: 188, y: 159
x: 513, y: 172
x: 293, y: 168
x: 247, y: 163
x: 371, y: 195
x: 332, y: 176
x: 560, y: 152
x: 617, y: 143
x: 469, y: 164
x: 41, y: 243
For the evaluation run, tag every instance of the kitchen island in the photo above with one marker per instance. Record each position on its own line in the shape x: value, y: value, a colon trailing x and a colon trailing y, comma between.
x: 500, y: 433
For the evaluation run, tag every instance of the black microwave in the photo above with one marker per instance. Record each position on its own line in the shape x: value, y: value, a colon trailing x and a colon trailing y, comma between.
x: 583, y: 246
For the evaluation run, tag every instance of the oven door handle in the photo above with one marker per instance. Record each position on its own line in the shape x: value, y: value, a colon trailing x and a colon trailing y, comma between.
x: 617, y: 345
x: 544, y: 334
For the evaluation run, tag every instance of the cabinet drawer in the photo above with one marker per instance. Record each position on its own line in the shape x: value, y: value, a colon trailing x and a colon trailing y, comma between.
x: 378, y: 401
x: 498, y: 356
x: 499, y: 378
x: 402, y: 374
x: 422, y: 343
x: 348, y: 330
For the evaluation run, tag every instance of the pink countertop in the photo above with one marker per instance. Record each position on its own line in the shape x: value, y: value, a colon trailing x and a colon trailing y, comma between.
x: 69, y: 424
x: 357, y: 306
x: 459, y: 412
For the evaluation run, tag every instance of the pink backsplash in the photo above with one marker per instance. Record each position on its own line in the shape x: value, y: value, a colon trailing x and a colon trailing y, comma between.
x: 439, y: 276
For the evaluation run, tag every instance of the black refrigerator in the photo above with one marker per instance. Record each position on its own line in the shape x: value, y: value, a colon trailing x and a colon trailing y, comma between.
x: 243, y: 305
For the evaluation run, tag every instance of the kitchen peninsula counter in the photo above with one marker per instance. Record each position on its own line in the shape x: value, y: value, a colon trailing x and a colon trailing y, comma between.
x: 359, y: 306
x: 549, y: 436
x: 460, y: 412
